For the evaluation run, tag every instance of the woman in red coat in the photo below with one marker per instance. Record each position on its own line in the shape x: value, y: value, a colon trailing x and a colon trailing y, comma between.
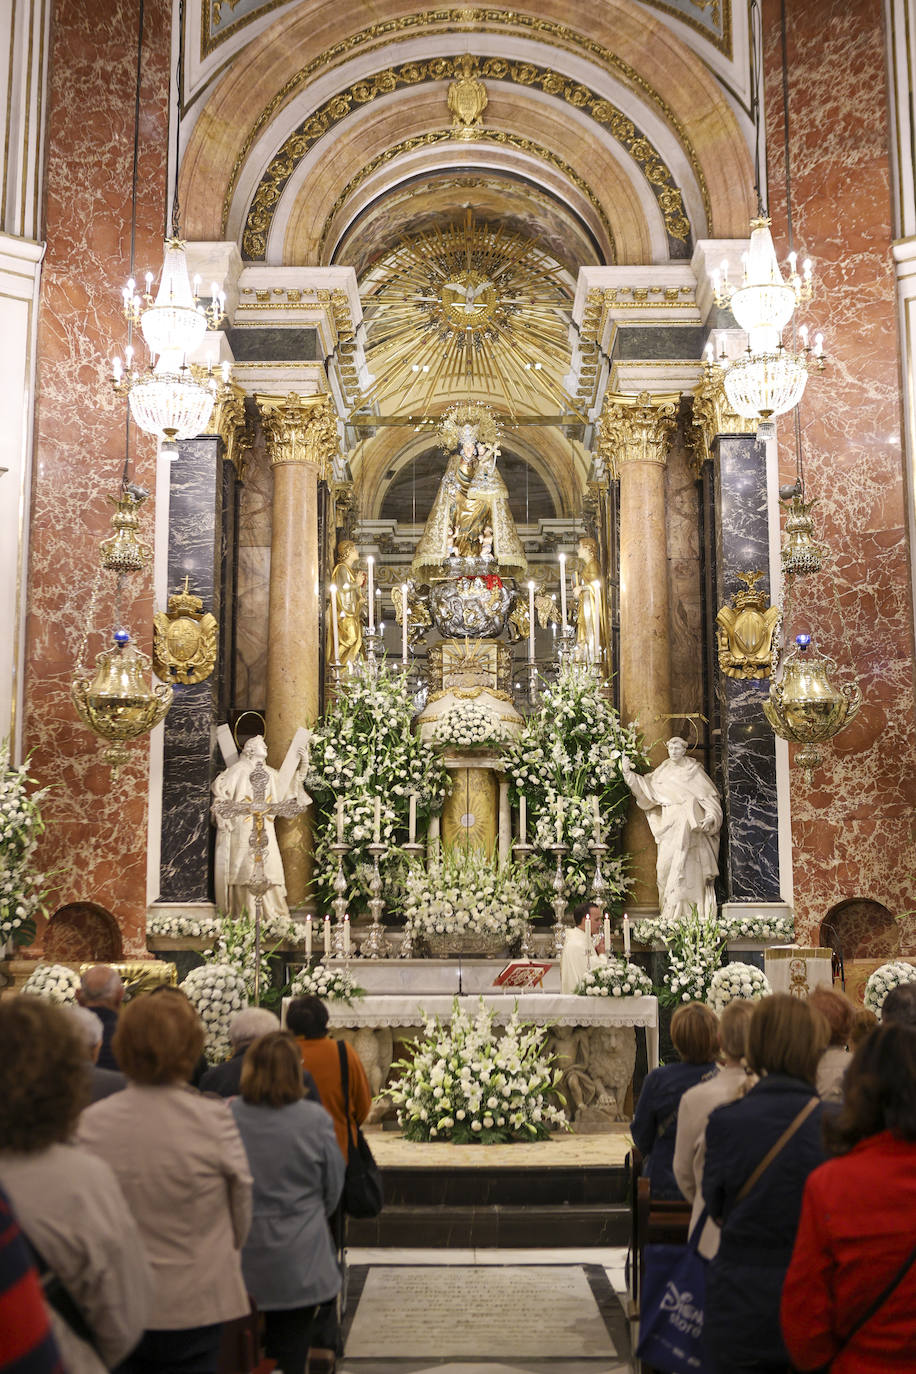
x: 858, y: 1223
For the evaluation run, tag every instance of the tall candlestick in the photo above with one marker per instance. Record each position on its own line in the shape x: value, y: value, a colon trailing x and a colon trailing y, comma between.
x: 370, y: 591
x: 563, y: 590
x: 607, y: 934
x: 559, y: 820
x: 335, y: 637
x: 522, y: 818
x: 308, y: 937
x: 377, y: 824
x: 404, y: 614
x: 340, y: 820
x: 412, y: 822
x: 626, y: 935
x: 346, y: 934
x: 327, y: 934
x: 530, y: 622
x: 596, y: 821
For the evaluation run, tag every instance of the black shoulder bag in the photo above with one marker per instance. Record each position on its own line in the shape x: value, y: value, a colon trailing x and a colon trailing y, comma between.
x: 362, y: 1191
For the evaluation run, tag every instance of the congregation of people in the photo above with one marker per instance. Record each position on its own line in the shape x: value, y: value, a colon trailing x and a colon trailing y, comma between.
x: 157, y: 1216
x: 162, y: 1219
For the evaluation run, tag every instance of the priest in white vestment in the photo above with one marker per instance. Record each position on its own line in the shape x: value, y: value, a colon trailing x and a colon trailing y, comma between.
x: 579, y: 953
x: 685, y: 816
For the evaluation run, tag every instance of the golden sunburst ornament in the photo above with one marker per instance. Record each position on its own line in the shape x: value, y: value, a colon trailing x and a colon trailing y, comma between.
x: 472, y: 308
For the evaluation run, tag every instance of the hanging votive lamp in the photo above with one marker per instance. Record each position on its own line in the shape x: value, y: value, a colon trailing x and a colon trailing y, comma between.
x: 804, y: 707
x: 801, y: 553
x: 118, y: 703
x: 124, y: 551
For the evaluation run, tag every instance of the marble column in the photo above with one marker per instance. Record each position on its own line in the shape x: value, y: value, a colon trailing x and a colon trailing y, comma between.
x: 301, y: 436
x: 749, y: 848
x: 634, y: 434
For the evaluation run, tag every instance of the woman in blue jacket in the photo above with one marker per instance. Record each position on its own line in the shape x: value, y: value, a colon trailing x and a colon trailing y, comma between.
x: 758, y: 1207
x: 694, y: 1034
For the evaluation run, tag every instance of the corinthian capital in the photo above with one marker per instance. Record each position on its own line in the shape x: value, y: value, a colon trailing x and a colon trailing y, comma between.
x: 712, y: 414
x: 636, y: 429
x: 300, y: 429
x: 233, y: 426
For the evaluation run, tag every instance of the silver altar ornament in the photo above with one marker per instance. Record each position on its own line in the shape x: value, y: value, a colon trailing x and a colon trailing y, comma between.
x: 118, y: 703
x: 805, y: 707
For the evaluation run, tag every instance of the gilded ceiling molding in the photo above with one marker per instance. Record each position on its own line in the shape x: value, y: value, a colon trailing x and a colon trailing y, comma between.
x: 710, y: 18
x: 498, y: 136
x: 405, y: 27
x: 282, y: 166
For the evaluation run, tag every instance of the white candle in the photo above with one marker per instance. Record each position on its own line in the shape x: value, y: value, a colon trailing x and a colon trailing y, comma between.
x: 596, y: 820
x: 413, y: 817
x: 377, y: 826
x: 335, y: 639
x: 346, y: 934
x: 563, y: 590
x: 559, y: 820
x: 626, y: 935
x: 308, y: 937
x: 530, y: 622
x: 404, y: 613
x: 340, y: 820
x: 607, y: 934
x: 327, y: 934
x: 522, y: 818
x: 370, y: 563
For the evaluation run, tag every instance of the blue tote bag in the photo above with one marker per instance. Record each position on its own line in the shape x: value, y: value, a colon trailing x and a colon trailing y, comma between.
x: 672, y: 1305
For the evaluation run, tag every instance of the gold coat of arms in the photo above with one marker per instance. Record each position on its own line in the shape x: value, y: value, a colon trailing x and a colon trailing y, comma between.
x: 184, y: 639
x: 745, y: 633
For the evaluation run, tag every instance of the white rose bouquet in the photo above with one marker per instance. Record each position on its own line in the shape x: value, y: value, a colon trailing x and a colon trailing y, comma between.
x: 695, y: 946
x: 467, y: 1083
x: 53, y: 982
x: 330, y: 984
x: 217, y: 991
x: 463, y: 893
x: 885, y: 978
x: 468, y: 726
x: 22, y: 890
x: 734, y: 981
x: 614, y: 978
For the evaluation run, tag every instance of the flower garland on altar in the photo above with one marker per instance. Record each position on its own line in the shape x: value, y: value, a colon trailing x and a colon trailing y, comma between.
x: 364, y: 750
x: 54, y: 983
x: 21, y: 887
x: 217, y: 992
x: 735, y: 981
x: 565, y: 762
x: 883, y: 980
x: 614, y: 978
x: 770, y: 930
x: 468, y: 726
x: 463, y: 892
x: 467, y: 1084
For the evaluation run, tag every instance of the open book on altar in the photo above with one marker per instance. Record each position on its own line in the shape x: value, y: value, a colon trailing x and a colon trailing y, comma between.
x: 521, y: 973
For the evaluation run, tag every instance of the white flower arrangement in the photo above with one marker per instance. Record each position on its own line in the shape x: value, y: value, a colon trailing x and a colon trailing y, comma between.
x: 468, y: 726
x: 330, y: 984
x: 464, y: 893
x: 695, y: 946
x: 54, y: 983
x: 182, y: 926
x: 569, y: 820
x: 770, y: 930
x: 885, y: 978
x: 614, y: 978
x: 21, y: 887
x: 467, y: 1084
x: 734, y: 981
x: 217, y: 991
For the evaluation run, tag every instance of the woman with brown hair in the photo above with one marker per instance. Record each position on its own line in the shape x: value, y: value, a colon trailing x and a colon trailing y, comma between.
x: 849, y: 1299
x: 839, y: 1014
x: 67, y: 1202
x: 694, y: 1034
x: 288, y: 1259
x: 759, y: 1151
x: 182, y: 1167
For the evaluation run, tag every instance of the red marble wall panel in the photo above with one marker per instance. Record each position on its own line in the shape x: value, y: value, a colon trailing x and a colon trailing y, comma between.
x: 853, y: 829
x: 96, y: 821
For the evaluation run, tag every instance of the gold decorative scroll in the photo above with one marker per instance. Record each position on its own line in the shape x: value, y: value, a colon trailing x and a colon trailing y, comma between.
x: 712, y: 414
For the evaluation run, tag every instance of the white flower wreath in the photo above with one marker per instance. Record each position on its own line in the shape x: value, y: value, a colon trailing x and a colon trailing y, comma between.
x: 885, y: 978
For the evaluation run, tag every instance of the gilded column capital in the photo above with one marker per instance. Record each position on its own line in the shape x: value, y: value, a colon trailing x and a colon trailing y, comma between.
x: 712, y: 414
x: 300, y: 429
x: 233, y: 425
x: 636, y: 429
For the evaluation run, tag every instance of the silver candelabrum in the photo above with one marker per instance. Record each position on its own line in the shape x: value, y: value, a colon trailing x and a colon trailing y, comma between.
x: 338, y: 942
x: 599, y: 886
x: 375, y: 946
x: 566, y: 645
x: 559, y: 901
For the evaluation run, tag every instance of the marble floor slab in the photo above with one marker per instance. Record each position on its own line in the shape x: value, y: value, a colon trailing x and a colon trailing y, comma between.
x: 494, y: 1313
x: 391, y: 1150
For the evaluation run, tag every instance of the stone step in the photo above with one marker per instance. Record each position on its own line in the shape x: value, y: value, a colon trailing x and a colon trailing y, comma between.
x: 486, y: 1186
x: 533, y: 1225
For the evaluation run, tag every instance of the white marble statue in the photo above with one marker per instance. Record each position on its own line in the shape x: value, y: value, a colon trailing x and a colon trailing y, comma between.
x: 235, y: 859
x: 685, y: 816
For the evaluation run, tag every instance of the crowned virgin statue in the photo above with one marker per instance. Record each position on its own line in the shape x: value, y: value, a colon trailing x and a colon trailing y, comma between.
x: 470, y: 519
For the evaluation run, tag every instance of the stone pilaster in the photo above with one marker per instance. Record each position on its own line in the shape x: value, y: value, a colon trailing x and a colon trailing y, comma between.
x: 302, y: 440
x: 749, y: 852
x: 633, y: 438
